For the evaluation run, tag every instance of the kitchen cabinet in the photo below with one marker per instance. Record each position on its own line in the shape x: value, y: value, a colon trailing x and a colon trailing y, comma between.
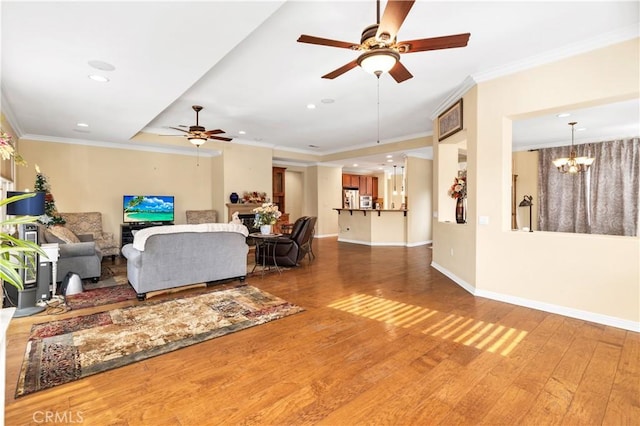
x: 366, y: 185
x: 278, y: 187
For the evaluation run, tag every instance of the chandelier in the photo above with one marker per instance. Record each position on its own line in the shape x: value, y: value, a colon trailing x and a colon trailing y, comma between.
x: 573, y: 164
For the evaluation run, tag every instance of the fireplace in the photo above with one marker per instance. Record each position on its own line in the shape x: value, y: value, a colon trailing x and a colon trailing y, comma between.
x: 245, y: 213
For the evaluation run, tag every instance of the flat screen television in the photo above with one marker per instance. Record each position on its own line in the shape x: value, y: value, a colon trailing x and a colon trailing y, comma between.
x: 148, y: 208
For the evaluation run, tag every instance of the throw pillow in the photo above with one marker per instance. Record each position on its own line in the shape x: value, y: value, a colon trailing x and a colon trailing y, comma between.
x: 50, y: 238
x: 64, y: 234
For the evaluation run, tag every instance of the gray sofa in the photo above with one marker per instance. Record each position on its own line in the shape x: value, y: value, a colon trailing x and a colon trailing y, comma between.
x: 84, y: 258
x: 164, y: 257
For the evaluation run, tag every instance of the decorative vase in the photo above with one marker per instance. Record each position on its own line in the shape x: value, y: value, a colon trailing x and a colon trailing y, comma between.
x: 461, y: 213
x: 234, y: 198
x: 265, y: 229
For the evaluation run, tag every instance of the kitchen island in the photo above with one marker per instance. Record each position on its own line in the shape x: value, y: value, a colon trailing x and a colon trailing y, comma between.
x: 373, y: 227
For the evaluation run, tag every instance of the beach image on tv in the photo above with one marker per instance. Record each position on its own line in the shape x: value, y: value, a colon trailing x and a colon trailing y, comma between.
x: 139, y: 208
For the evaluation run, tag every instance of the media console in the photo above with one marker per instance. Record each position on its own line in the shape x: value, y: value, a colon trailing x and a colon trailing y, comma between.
x: 126, y: 234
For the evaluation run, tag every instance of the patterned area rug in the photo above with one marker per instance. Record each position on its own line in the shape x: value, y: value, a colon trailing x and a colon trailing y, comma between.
x: 100, y: 296
x: 62, y: 351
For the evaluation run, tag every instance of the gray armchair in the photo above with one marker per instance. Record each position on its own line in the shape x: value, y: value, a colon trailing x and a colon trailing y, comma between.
x: 84, y: 257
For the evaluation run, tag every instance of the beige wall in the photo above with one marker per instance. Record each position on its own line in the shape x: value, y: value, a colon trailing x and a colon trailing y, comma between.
x: 246, y: 168
x: 90, y: 178
x: 589, y: 276
x: 294, y: 188
x: 329, y: 190
x: 419, y: 186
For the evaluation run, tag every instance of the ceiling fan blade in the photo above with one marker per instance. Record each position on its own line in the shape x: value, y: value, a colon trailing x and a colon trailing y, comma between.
x: 341, y: 70
x: 214, y: 132
x: 393, y: 17
x: 435, y: 43
x: 326, y: 42
x: 220, y: 138
x: 182, y: 130
x: 400, y: 73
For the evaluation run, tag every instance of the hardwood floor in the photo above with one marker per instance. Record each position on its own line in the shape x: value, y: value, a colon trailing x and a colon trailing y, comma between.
x: 385, y: 339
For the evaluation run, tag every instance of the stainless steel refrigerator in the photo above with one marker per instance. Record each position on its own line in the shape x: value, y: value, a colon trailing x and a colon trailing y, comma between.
x: 351, y: 199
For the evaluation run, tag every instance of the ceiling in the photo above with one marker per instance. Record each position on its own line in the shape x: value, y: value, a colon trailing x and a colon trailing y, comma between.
x: 240, y: 60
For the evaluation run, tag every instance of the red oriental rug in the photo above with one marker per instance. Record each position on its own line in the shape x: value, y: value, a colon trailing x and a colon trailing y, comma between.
x: 100, y: 296
x: 62, y: 351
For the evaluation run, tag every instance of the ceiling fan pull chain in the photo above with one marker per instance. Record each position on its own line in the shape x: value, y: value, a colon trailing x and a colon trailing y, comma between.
x: 378, y: 75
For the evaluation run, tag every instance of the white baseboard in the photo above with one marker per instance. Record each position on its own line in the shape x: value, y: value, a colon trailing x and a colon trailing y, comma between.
x: 419, y: 243
x: 325, y: 235
x: 542, y: 306
x: 369, y: 243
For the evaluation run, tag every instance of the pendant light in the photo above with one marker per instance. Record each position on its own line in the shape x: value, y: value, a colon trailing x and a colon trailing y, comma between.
x: 573, y: 164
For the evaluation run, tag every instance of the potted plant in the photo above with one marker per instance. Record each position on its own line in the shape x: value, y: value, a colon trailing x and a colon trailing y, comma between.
x: 266, y: 216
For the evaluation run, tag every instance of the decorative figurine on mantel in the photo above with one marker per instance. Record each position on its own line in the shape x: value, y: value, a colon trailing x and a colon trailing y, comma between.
x: 254, y: 197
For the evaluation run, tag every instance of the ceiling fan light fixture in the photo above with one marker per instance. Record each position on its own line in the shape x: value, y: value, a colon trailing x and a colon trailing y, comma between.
x: 378, y: 61
x: 197, y: 140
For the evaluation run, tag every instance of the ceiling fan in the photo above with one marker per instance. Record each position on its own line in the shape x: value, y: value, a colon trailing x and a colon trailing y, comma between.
x: 381, y: 50
x: 197, y: 134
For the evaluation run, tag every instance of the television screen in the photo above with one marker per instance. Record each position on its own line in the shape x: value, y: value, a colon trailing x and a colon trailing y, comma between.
x: 147, y: 208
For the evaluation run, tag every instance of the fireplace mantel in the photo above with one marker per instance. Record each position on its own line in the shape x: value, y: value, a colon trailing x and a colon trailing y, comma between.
x: 241, y: 208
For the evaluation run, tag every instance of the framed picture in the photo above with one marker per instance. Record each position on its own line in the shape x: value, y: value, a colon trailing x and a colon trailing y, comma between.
x: 450, y: 121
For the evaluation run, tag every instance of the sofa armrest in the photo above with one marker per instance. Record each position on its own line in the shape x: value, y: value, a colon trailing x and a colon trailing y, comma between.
x: 132, y: 254
x: 78, y: 249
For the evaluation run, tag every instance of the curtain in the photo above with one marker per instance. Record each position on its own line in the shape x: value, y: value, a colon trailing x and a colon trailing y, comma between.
x: 603, y: 200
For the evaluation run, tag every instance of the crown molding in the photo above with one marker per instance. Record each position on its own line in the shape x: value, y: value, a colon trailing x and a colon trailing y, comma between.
x: 618, y: 36
x: 7, y: 111
x: 453, y: 96
x: 132, y: 146
x: 573, y: 49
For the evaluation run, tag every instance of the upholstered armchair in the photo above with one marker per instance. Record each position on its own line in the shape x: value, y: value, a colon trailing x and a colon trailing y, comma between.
x: 290, y: 249
x: 201, y: 216
x: 77, y: 253
x: 90, y: 223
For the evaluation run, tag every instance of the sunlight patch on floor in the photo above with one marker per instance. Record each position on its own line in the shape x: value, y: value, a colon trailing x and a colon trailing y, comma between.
x: 482, y: 335
x: 381, y: 309
x: 487, y: 336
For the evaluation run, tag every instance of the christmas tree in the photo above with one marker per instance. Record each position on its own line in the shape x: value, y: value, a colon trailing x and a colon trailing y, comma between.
x: 50, y: 216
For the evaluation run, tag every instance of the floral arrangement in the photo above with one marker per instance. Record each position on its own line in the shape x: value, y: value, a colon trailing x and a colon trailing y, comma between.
x: 254, y: 197
x: 7, y: 150
x: 267, y: 214
x: 459, y: 188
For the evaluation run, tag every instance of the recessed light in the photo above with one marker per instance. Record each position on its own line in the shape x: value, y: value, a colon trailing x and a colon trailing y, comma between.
x: 242, y: 132
x: 98, y: 78
x: 355, y: 164
x: 581, y: 129
x: 82, y: 125
x: 563, y: 115
x: 390, y: 160
x: 389, y: 156
x: 311, y: 106
x: 101, y: 65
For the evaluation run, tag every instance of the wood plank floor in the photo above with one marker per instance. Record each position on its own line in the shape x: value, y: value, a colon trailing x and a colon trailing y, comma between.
x: 385, y: 339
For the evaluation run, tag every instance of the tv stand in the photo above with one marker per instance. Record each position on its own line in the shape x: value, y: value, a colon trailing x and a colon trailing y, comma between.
x: 126, y: 236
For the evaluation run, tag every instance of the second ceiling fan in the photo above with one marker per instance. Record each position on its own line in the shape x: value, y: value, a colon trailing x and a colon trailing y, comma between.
x: 198, y: 135
x: 381, y: 50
